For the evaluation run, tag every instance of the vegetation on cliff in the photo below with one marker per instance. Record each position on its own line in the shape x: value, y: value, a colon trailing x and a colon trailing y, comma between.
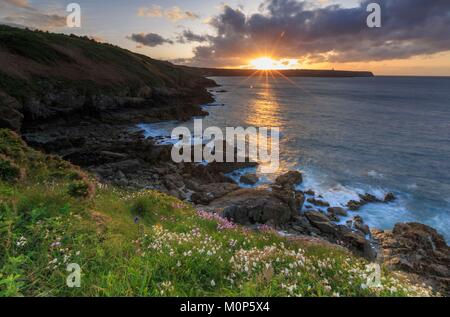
x: 145, y: 243
x: 45, y: 75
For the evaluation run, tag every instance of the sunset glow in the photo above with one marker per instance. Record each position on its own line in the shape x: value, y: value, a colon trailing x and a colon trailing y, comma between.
x: 266, y: 63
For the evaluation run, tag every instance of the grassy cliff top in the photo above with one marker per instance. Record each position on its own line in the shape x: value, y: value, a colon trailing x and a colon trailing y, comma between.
x: 149, y: 244
x: 29, y: 59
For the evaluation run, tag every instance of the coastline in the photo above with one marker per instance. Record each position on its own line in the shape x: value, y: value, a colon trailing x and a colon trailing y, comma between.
x: 120, y: 154
x: 94, y: 127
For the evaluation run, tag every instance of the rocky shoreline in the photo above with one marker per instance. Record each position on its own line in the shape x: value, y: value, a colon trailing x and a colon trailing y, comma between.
x: 122, y: 156
x: 85, y: 110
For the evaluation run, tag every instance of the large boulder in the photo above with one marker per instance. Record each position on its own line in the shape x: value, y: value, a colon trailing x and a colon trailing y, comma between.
x: 250, y: 206
x: 289, y: 180
x: 322, y: 222
x: 416, y: 248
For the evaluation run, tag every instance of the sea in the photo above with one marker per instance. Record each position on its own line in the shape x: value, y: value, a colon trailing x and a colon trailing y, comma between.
x: 349, y: 136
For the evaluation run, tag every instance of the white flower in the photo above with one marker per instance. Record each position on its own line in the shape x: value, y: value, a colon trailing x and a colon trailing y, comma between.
x: 213, y: 283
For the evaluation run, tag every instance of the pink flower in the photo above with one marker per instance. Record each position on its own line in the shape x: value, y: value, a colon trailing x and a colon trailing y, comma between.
x: 222, y: 223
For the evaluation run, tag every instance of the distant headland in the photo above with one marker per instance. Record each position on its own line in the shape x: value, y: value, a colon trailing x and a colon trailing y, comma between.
x: 212, y: 72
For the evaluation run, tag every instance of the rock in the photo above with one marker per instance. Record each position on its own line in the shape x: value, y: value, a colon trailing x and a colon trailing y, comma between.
x: 317, y: 202
x: 11, y: 116
x: 333, y: 217
x: 289, y: 180
x: 310, y: 192
x: 389, y: 197
x: 120, y: 175
x: 192, y: 184
x: 358, y: 224
x: 301, y: 225
x: 356, y: 242
x: 126, y: 166
x: 338, y: 211
x: 355, y: 205
x: 320, y: 221
x: 299, y: 200
x: 251, y: 206
x: 173, y: 181
x: 206, y: 193
x: 249, y: 179
x: 418, y: 249
x: 113, y: 156
x: 294, y: 199
x: 145, y: 92
x: 368, y: 198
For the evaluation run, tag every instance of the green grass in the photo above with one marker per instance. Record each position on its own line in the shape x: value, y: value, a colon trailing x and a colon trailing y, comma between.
x: 55, y: 50
x: 33, y: 45
x: 148, y: 244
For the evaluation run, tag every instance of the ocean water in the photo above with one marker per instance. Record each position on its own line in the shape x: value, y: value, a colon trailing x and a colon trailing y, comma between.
x: 350, y: 136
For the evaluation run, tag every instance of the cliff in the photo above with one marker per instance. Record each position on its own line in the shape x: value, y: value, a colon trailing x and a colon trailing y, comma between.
x: 46, y: 77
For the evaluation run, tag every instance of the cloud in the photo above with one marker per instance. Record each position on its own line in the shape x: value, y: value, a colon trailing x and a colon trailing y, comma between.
x: 37, y: 20
x: 17, y: 3
x: 187, y: 36
x: 149, y: 39
x: 173, y: 14
x: 153, y: 11
x: 26, y: 15
x: 332, y: 33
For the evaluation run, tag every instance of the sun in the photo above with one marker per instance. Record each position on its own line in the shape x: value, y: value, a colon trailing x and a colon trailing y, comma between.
x: 265, y: 63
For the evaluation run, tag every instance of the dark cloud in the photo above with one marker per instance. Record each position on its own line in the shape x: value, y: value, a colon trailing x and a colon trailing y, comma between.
x: 188, y: 36
x: 297, y: 29
x: 149, y: 39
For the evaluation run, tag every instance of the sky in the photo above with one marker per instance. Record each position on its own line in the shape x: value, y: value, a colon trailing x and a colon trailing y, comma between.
x: 414, y: 38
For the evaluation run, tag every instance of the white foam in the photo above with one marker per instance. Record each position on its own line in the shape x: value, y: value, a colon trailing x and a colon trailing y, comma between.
x: 375, y: 174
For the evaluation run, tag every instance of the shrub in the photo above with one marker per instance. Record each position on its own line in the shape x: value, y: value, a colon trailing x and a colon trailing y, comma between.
x: 80, y: 189
x: 8, y: 170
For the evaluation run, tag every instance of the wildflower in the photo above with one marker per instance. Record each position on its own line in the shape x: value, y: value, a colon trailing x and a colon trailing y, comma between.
x: 21, y: 242
x: 213, y: 283
x: 54, y: 261
x: 55, y: 244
